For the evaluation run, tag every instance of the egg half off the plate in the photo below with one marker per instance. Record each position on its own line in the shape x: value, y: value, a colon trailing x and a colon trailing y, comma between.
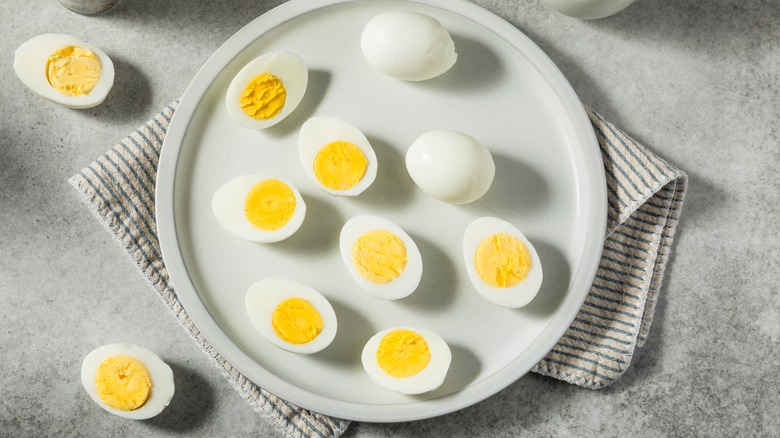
x: 65, y: 70
x: 127, y: 380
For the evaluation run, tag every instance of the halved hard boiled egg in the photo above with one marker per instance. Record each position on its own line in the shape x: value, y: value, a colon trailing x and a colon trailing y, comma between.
x: 407, y: 360
x: 380, y: 256
x: 267, y: 89
x: 501, y: 263
x: 408, y: 45
x: 259, y: 208
x: 65, y: 70
x: 127, y: 380
x: 451, y: 166
x: 291, y: 315
x: 337, y: 156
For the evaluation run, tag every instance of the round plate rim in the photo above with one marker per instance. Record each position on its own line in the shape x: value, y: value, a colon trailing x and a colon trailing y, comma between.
x: 415, y: 410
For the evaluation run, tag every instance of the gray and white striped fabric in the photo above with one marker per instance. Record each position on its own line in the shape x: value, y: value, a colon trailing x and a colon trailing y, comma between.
x: 645, y: 196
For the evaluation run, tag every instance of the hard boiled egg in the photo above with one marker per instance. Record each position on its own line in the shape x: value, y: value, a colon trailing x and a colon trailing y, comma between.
x: 501, y: 263
x: 408, y: 45
x: 65, y: 70
x: 127, y: 380
x: 380, y: 256
x: 451, y: 166
x: 267, y: 90
x: 589, y: 9
x: 407, y: 360
x: 259, y: 208
x: 337, y: 156
x: 291, y: 315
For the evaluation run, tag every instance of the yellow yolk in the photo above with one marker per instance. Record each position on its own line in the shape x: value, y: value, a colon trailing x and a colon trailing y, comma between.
x: 379, y: 256
x: 73, y: 71
x: 263, y: 97
x: 403, y: 353
x: 340, y: 165
x: 270, y: 204
x: 123, y: 383
x: 296, y: 321
x: 502, y: 260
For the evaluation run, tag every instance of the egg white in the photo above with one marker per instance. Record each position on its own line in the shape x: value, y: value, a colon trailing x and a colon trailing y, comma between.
x: 450, y: 166
x: 287, y: 67
x: 516, y: 296
x: 398, y: 288
x: 265, y: 295
x: 430, y: 378
x: 160, y: 373
x: 319, y: 131
x: 228, y: 207
x: 408, y: 45
x: 30, y: 66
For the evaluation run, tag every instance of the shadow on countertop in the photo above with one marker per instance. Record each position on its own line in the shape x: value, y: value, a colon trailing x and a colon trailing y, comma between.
x: 191, y: 403
x: 715, y: 31
x: 129, y: 98
x: 696, y: 22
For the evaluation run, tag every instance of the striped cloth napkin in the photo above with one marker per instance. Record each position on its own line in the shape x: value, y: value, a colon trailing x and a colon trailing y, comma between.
x: 645, y: 195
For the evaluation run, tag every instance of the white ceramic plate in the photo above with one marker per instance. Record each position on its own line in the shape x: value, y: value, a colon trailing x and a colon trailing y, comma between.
x: 503, y: 90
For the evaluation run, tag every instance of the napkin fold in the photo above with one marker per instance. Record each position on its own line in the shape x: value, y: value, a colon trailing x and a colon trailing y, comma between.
x: 645, y: 197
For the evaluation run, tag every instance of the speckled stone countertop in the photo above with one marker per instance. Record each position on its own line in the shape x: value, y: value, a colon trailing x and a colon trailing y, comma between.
x: 696, y: 81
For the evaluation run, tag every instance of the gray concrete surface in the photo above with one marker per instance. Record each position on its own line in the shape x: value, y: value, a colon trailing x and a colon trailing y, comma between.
x: 695, y: 80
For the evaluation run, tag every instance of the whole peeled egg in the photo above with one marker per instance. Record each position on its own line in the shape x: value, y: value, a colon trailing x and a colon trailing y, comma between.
x: 407, y: 359
x: 451, y: 166
x: 408, y: 45
x: 259, y: 208
x: 291, y: 315
x: 127, y: 380
x: 65, y: 70
x: 501, y: 263
x: 267, y: 89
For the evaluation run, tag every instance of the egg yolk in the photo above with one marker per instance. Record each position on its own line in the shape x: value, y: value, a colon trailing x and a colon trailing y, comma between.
x: 403, y: 353
x: 263, y: 97
x: 296, y: 321
x: 379, y: 256
x: 73, y: 71
x: 123, y: 383
x: 270, y: 204
x: 502, y: 260
x: 340, y: 165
